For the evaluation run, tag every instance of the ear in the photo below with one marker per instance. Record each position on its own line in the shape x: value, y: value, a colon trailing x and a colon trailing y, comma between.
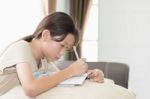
x: 46, y: 35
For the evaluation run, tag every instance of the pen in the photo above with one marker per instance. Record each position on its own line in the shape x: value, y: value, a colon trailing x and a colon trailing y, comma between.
x: 75, y: 50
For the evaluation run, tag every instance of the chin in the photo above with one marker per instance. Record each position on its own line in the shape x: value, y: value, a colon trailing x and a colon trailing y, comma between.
x: 52, y: 59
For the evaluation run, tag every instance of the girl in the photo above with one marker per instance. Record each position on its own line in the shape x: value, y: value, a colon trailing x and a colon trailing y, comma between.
x: 55, y: 34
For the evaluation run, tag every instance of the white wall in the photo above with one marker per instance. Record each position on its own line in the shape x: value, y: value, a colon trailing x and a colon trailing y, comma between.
x: 124, y: 36
x: 17, y: 19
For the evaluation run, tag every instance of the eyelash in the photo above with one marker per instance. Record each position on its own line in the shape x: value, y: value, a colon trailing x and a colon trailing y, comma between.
x: 68, y: 49
x: 62, y: 45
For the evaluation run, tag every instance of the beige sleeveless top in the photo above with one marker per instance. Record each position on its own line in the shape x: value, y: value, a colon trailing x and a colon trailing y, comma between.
x: 17, y: 52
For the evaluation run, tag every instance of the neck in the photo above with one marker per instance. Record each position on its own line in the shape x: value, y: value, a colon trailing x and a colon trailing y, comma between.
x: 36, y: 48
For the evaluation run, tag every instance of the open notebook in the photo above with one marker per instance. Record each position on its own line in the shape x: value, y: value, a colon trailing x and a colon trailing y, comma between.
x: 73, y: 81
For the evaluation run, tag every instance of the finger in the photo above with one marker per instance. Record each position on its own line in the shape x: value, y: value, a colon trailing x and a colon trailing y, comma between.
x: 91, y: 75
x: 84, y: 59
x: 96, y: 76
x: 100, y: 81
x: 96, y: 79
x: 81, y: 61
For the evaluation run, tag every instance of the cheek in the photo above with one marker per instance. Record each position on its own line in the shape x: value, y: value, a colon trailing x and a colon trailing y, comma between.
x: 50, y: 50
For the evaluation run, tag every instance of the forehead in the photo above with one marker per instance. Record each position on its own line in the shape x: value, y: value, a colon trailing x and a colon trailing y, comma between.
x: 69, y: 39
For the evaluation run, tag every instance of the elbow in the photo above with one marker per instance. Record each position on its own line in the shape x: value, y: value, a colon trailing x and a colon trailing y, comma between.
x: 31, y: 92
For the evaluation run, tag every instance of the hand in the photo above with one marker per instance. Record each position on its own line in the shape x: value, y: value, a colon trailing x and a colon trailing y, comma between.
x: 96, y: 75
x: 79, y: 67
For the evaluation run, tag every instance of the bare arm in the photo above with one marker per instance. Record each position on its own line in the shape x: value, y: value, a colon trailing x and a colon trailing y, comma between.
x: 34, y: 87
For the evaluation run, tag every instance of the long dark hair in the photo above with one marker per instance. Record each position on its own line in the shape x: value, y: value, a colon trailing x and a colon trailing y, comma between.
x: 59, y: 24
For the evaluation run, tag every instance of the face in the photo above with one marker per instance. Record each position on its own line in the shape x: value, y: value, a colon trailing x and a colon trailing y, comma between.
x: 53, y: 50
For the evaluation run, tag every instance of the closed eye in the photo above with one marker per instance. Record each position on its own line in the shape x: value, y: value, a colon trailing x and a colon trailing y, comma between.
x: 62, y: 45
x: 68, y: 48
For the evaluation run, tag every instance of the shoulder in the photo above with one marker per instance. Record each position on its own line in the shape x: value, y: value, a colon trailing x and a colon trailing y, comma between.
x: 16, y: 52
x: 19, y: 44
x: 18, y: 47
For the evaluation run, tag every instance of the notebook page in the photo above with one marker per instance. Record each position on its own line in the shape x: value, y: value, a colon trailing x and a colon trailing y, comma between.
x: 78, y: 80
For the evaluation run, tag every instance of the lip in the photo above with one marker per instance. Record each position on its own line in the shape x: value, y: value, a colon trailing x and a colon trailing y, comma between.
x: 57, y: 58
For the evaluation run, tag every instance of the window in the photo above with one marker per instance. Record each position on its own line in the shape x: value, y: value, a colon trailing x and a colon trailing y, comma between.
x: 18, y: 18
x: 90, y: 38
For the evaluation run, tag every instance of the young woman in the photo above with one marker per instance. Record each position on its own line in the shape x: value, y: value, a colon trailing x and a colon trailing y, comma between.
x: 55, y: 34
